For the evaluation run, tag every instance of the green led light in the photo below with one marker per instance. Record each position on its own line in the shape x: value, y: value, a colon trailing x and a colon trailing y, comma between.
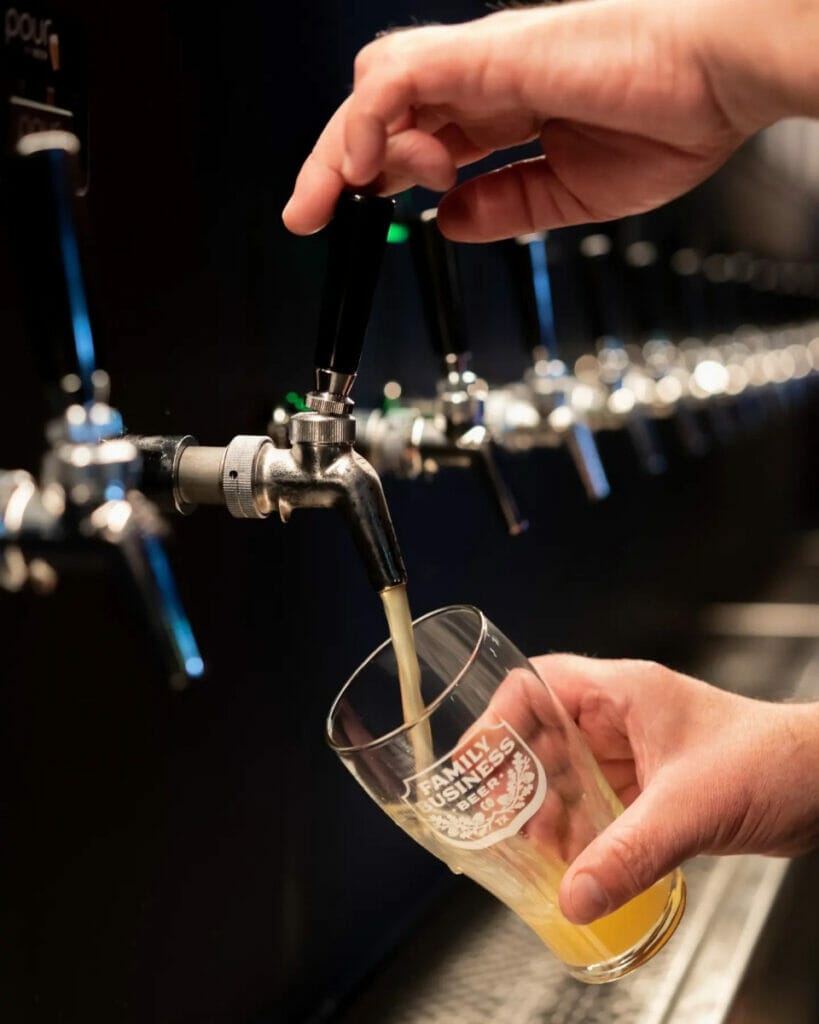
x: 295, y: 399
x: 397, y: 233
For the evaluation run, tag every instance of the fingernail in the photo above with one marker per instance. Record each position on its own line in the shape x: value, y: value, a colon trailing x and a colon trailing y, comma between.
x: 587, y: 898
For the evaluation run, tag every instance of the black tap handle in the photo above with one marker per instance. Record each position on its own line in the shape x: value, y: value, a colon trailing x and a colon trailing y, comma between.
x: 647, y: 277
x: 437, y: 269
x: 357, y: 237
x: 46, y: 247
x: 603, y: 272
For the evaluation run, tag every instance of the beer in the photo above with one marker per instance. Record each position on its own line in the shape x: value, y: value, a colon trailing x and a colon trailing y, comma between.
x: 515, y: 801
x: 399, y: 620
x: 526, y: 878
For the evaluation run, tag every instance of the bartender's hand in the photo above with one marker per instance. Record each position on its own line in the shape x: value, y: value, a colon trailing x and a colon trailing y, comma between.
x: 633, y: 101
x: 700, y: 770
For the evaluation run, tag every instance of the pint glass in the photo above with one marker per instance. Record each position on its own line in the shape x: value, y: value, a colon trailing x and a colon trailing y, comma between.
x: 496, y: 780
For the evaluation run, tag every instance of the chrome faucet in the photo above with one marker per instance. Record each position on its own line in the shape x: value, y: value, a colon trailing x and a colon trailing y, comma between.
x: 553, y: 391
x: 312, y: 462
x: 87, y: 491
x: 421, y: 436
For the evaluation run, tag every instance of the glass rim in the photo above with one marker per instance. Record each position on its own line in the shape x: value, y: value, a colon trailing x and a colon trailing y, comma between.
x: 404, y: 727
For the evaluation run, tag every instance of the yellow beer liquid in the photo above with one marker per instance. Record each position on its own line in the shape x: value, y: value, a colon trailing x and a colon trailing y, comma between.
x: 527, y: 879
x: 399, y: 620
x: 517, y: 871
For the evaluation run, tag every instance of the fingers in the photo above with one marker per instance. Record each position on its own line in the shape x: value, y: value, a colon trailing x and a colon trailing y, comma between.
x: 587, y: 174
x: 650, y: 838
x: 405, y: 71
x: 400, y: 79
x: 576, y: 679
x: 412, y: 157
x: 319, y: 182
x: 316, y: 193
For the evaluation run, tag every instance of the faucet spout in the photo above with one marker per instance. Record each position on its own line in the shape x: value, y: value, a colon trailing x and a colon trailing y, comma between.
x: 255, y: 479
x: 365, y: 509
x: 312, y: 475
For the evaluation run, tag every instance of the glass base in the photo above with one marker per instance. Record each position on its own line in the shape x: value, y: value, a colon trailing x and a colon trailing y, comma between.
x: 620, y: 966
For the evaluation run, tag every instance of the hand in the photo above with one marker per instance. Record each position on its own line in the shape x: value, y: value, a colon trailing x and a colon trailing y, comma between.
x: 700, y: 770
x: 633, y: 102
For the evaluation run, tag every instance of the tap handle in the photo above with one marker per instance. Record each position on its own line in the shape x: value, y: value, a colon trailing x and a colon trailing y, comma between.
x: 530, y: 270
x: 688, y: 285
x: 646, y: 445
x: 40, y: 204
x: 603, y: 273
x: 586, y: 458
x: 504, y: 499
x: 357, y: 238
x: 436, y: 267
x: 647, y: 279
x: 138, y: 535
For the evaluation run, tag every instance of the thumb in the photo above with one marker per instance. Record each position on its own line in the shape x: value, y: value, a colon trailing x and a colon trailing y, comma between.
x: 650, y: 838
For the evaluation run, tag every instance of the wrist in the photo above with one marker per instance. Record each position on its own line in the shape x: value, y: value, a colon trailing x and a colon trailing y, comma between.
x: 799, y: 796
x: 759, y: 57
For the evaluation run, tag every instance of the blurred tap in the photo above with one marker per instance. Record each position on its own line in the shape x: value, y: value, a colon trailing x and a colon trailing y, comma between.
x: 86, y: 492
x: 648, y: 281
x: 558, y: 400
x: 624, y: 390
x: 311, y: 462
x: 450, y: 430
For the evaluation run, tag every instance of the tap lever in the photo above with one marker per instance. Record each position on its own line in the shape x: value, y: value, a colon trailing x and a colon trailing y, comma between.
x: 507, y: 506
x: 585, y: 455
x: 550, y: 379
x: 42, y: 528
x: 134, y: 526
x: 40, y: 203
x: 357, y: 237
x: 529, y: 257
x: 436, y: 266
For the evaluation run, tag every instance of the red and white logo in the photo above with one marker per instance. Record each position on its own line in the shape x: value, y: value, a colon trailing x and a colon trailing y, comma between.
x: 480, y: 793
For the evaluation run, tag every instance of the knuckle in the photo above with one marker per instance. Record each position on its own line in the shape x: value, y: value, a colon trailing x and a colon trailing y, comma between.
x: 634, y: 861
x: 369, y: 56
x: 652, y: 672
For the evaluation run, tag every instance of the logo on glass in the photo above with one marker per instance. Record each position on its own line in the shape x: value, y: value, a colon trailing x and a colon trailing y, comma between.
x: 480, y: 793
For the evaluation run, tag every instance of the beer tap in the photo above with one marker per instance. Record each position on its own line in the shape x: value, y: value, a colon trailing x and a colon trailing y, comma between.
x: 625, y: 403
x: 312, y: 463
x: 548, y: 384
x: 449, y: 430
x: 86, y: 495
x: 648, y: 281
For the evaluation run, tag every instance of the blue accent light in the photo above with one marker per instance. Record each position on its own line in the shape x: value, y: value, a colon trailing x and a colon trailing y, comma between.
x: 591, y: 460
x: 83, y: 338
x: 543, y: 296
x: 114, y: 492
x: 172, y: 612
x: 194, y: 667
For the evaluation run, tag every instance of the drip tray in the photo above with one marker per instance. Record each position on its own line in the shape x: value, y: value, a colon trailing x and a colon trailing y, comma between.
x: 474, y: 961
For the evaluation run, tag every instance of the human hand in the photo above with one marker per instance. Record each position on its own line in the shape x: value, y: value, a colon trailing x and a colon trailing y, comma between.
x: 700, y: 770
x: 633, y: 101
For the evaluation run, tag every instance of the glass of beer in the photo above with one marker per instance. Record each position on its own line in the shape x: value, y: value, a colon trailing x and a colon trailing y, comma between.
x: 491, y: 775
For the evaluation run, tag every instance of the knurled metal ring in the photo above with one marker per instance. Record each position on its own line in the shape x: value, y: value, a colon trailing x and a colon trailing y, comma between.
x: 238, y: 474
x: 313, y: 428
x: 328, y: 404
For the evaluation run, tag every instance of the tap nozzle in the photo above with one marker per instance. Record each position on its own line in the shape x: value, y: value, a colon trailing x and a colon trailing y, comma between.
x: 254, y: 479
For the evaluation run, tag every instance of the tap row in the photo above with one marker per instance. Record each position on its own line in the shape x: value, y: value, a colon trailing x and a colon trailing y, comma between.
x: 98, y: 487
x: 713, y: 342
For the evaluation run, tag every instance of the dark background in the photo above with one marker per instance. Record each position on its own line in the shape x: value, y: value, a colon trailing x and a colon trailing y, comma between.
x: 200, y: 857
